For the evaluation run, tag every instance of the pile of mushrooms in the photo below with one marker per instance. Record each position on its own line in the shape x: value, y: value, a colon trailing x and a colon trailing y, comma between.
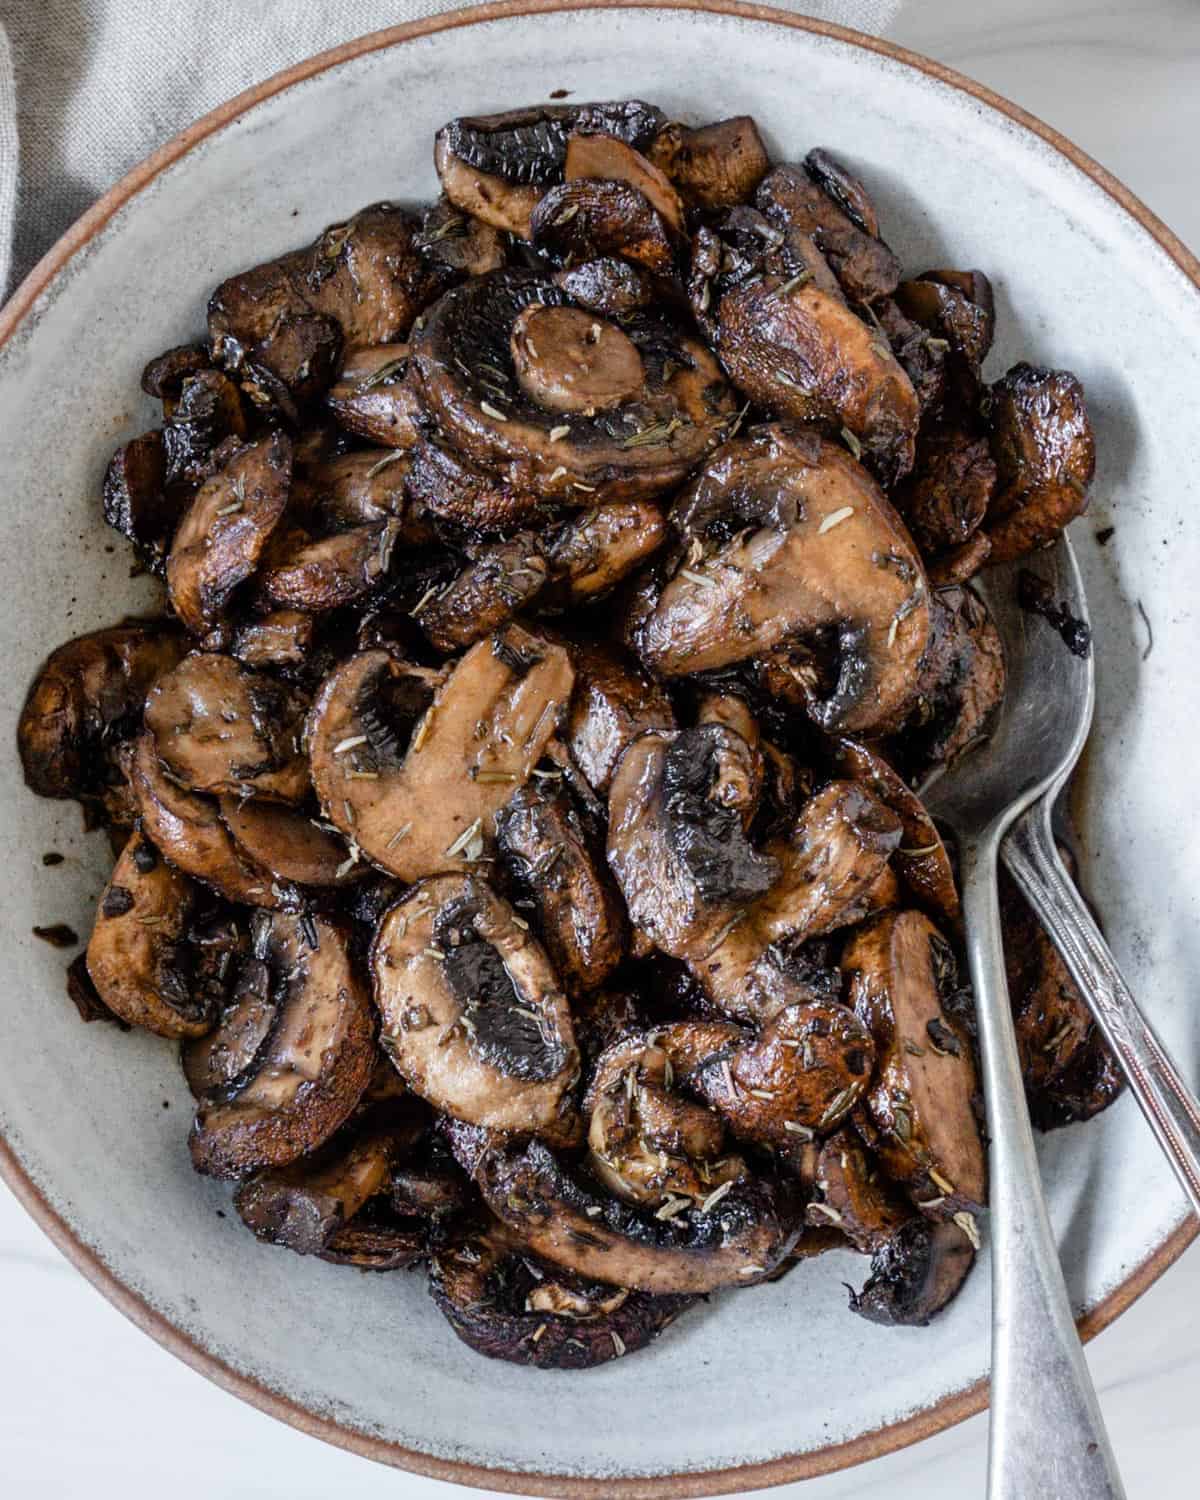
x: 515, y: 811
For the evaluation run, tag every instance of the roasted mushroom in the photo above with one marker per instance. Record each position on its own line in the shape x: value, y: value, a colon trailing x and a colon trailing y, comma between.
x: 614, y: 202
x: 281, y: 638
x: 422, y: 800
x: 1045, y: 456
x: 88, y: 696
x: 849, y: 1194
x: 922, y: 1100
x: 915, y: 1273
x: 613, y: 702
x: 138, y: 956
x: 816, y: 549
x: 555, y: 862
x: 507, y: 1304
x: 560, y: 403
x: 589, y: 554
x: 289, y: 843
x: 501, y: 580
x: 221, y: 538
x: 312, y: 1067
x: 220, y: 727
x: 496, y: 167
x: 457, y: 243
x: 137, y: 502
x: 713, y: 166
x: 374, y: 397
x: 945, y: 499
x: 472, y: 1012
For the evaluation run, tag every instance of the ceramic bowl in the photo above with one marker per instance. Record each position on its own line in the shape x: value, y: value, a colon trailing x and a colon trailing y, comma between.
x: 770, y: 1384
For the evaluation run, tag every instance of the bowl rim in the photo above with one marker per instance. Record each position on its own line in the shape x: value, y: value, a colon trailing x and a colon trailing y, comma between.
x: 786, y: 1468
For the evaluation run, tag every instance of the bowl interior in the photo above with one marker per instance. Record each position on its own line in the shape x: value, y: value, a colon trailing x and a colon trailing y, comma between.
x: 98, y: 1120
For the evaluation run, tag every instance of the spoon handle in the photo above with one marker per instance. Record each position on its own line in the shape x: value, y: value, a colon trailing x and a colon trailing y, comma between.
x: 1169, y: 1105
x: 1047, y: 1435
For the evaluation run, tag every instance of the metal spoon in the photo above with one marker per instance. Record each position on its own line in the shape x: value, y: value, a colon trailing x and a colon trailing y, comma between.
x: 1047, y: 1435
x: 1031, y: 855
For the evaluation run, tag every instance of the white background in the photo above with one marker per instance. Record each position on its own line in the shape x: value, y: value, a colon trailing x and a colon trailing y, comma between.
x: 87, y: 1403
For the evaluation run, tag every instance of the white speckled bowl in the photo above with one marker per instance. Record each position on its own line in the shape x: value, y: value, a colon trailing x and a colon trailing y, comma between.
x: 767, y: 1385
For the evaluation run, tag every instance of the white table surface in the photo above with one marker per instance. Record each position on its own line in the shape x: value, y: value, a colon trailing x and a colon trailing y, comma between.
x: 87, y: 1403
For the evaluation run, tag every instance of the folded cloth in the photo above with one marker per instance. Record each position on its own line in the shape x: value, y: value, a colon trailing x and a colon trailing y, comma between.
x: 91, y: 87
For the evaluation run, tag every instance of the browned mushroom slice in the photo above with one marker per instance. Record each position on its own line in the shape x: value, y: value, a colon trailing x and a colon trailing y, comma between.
x: 496, y: 167
x: 791, y: 342
x: 648, y: 1142
x: 591, y: 217
x: 458, y: 244
x: 1069, y: 1072
x: 163, y: 376
x: 864, y: 266
x: 591, y: 553
x: 282, y: 638
x: 818, y: 548
x: 501, y: 580
x: 377, y: 1241
x: 844, y: 188
x: 677, y: 841
x: 187, y: 828
x: 608, y: 285
x: 506, y: 1305
x: 472, y: 1013
x: 960, y: 685
x: 366, y: 488
x: 309, y: 1074
x: 225, y: 1055
x: 606, y: 158
x: 300, y: 572
x: 802, y: 1074
x: 374, y: 397
x: 220, y: 727
x: 445, y: 484
x: 305, y: 1203
x: 850, y: 1195
x: 137, y: 502
x: 919, y: 354
x: 614, y: 701
x: 1045, y: 454
x: 89, y: 693
x: 957, y: 305
x: 915, y: 1273
x: 208, y: 410
x: 739, y: 1241
x: 714, y: 166
x: 361, y: 282
x: 960, y: 564
x: 553, y: 860
x: 419, y: 801
x: 561, y: 403
x: 219, y: 541
x: 921, y: 858
x: 922, y: 1101
x: 288, y: 843
x: 945, y: 498
x: 137, y: 956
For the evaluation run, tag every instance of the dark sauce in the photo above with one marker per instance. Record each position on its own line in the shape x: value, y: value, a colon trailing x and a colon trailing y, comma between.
x: 1034, y: 595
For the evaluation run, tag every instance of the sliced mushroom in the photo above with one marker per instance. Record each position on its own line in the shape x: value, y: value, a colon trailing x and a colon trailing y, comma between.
x: 592, y: 552
x: 282, y: 638
x: 553, y: 859
x: 496, y: 167
x: 137, y: 501
x: 304, y: 1204
x: 473, y: 1015
x: 457, y: 243
x: 592, y: 216
x: 1069, y: 1072
x: 919, y: 354
x: 960, y: 564
x: 364, y: 488
x: 288, y: 843
x: 315, y: 574
x: 739, y: 1241
x: 792, y: 344
x: 791, y: 199
x: 187, y: 828
x: 714, y: 166
x: 418, y: 801
x: 137, y: 956
x: 960, y: 684
x: 1045, y: 455
x: 374, y: 397
x: 915, y: 1274
x: 284, y: 323
x: 501, y: 580
x: 677, y: 837
x: 607, y: 285
x: 445, y: 484
x: 218, y: 1060
x: 959, y: 307
x: 89, y: 694
x: 921, y: 857
x: 312, y: 1068
x: 220, y: 727
x: 850, y: 1195
x: 507, y: 1305
x: 817, y: 548
x: 163, y: 376
x: 561, y: 404
x: 614, y: 701
x: 220, y: 539
x: 945, y: 499
x: 922, y: 1101
x: 377, y: 1241
x: 207, y: 410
